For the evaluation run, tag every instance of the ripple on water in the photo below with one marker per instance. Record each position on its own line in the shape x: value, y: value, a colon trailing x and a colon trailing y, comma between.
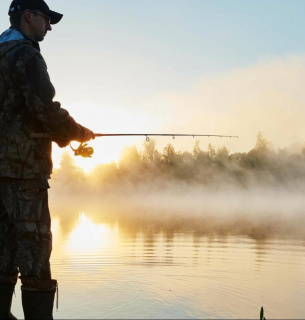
x: 186, y: 277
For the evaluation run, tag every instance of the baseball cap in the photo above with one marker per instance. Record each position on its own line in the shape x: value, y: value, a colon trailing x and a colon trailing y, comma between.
x: 20, y: 5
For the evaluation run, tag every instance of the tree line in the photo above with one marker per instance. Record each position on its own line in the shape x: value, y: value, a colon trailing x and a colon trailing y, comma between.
x: 262, y: 165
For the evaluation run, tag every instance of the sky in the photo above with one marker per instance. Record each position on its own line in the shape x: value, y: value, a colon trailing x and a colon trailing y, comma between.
x: 231, y: 67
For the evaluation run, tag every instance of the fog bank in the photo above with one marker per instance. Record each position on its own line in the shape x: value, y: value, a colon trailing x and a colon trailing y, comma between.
x: 259, y: 193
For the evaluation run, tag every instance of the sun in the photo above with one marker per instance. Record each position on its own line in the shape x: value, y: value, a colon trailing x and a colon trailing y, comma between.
x: 106, y: 150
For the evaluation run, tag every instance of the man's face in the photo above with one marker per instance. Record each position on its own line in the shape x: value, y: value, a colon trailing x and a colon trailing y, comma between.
x: 40, y: 25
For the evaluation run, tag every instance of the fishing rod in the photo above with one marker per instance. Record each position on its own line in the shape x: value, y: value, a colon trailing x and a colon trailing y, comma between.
x: 86, y: 152
x: 147, y: 135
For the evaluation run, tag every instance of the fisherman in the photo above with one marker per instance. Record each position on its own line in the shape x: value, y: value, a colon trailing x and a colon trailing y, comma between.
x: 27, y: 106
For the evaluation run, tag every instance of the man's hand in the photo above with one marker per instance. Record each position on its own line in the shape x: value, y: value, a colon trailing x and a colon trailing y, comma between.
x: 86, y: 135
x: 61, y: 142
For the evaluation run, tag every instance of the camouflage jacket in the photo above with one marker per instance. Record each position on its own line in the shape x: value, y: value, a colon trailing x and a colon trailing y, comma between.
x: 26, y: 105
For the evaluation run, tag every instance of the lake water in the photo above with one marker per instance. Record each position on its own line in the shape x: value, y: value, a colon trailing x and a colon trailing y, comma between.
x: 134, y: 269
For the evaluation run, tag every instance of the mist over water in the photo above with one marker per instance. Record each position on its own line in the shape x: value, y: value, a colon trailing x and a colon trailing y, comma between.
x: 259, y: 193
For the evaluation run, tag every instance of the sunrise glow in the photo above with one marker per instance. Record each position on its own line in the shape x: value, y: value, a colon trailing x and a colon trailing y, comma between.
x: 89, y: 238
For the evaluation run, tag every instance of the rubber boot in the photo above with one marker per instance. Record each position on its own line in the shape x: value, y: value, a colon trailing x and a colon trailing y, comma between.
x: 6, y: 297
x: 38, y: 304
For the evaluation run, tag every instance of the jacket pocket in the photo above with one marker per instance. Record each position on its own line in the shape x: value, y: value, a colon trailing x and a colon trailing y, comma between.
x: 33, y: 201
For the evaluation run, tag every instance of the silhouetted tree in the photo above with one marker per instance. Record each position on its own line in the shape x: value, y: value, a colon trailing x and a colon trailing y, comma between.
x: 261, y: 143
x: 69, y: 175
x: 211, y: 151
x: 130, y: 159
x: 169, y: 155
x: 150, y: 155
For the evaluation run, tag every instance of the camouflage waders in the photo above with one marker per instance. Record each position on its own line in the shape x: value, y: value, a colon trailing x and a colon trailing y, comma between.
x: 25, y: 235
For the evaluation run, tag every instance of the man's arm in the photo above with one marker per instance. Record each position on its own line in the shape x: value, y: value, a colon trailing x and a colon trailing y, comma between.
x: 38, y: 91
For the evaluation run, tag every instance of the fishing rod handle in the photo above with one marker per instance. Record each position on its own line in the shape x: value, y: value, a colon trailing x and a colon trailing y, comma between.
x: 42, y: 135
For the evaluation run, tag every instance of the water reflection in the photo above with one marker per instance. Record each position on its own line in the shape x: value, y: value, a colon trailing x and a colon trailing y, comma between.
x: 89, y: 238
x: 124, y: 266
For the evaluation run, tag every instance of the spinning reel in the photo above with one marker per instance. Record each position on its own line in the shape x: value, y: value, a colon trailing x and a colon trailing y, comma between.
x: 83, y: 150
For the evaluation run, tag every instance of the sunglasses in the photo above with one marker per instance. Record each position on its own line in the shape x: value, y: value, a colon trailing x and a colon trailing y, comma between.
x: 47, y: 19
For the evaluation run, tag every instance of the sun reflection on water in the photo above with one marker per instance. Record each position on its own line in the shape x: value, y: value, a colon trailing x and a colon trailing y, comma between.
x: 88, y: 237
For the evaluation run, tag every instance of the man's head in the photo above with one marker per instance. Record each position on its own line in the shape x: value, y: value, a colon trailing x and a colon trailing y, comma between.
x: 33, y: 17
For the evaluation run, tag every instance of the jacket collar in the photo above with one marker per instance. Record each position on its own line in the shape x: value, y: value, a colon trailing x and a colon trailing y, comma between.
x: 15, y: 34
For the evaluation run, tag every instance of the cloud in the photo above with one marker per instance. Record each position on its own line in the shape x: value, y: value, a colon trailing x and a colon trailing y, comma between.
x: 267, y: 97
